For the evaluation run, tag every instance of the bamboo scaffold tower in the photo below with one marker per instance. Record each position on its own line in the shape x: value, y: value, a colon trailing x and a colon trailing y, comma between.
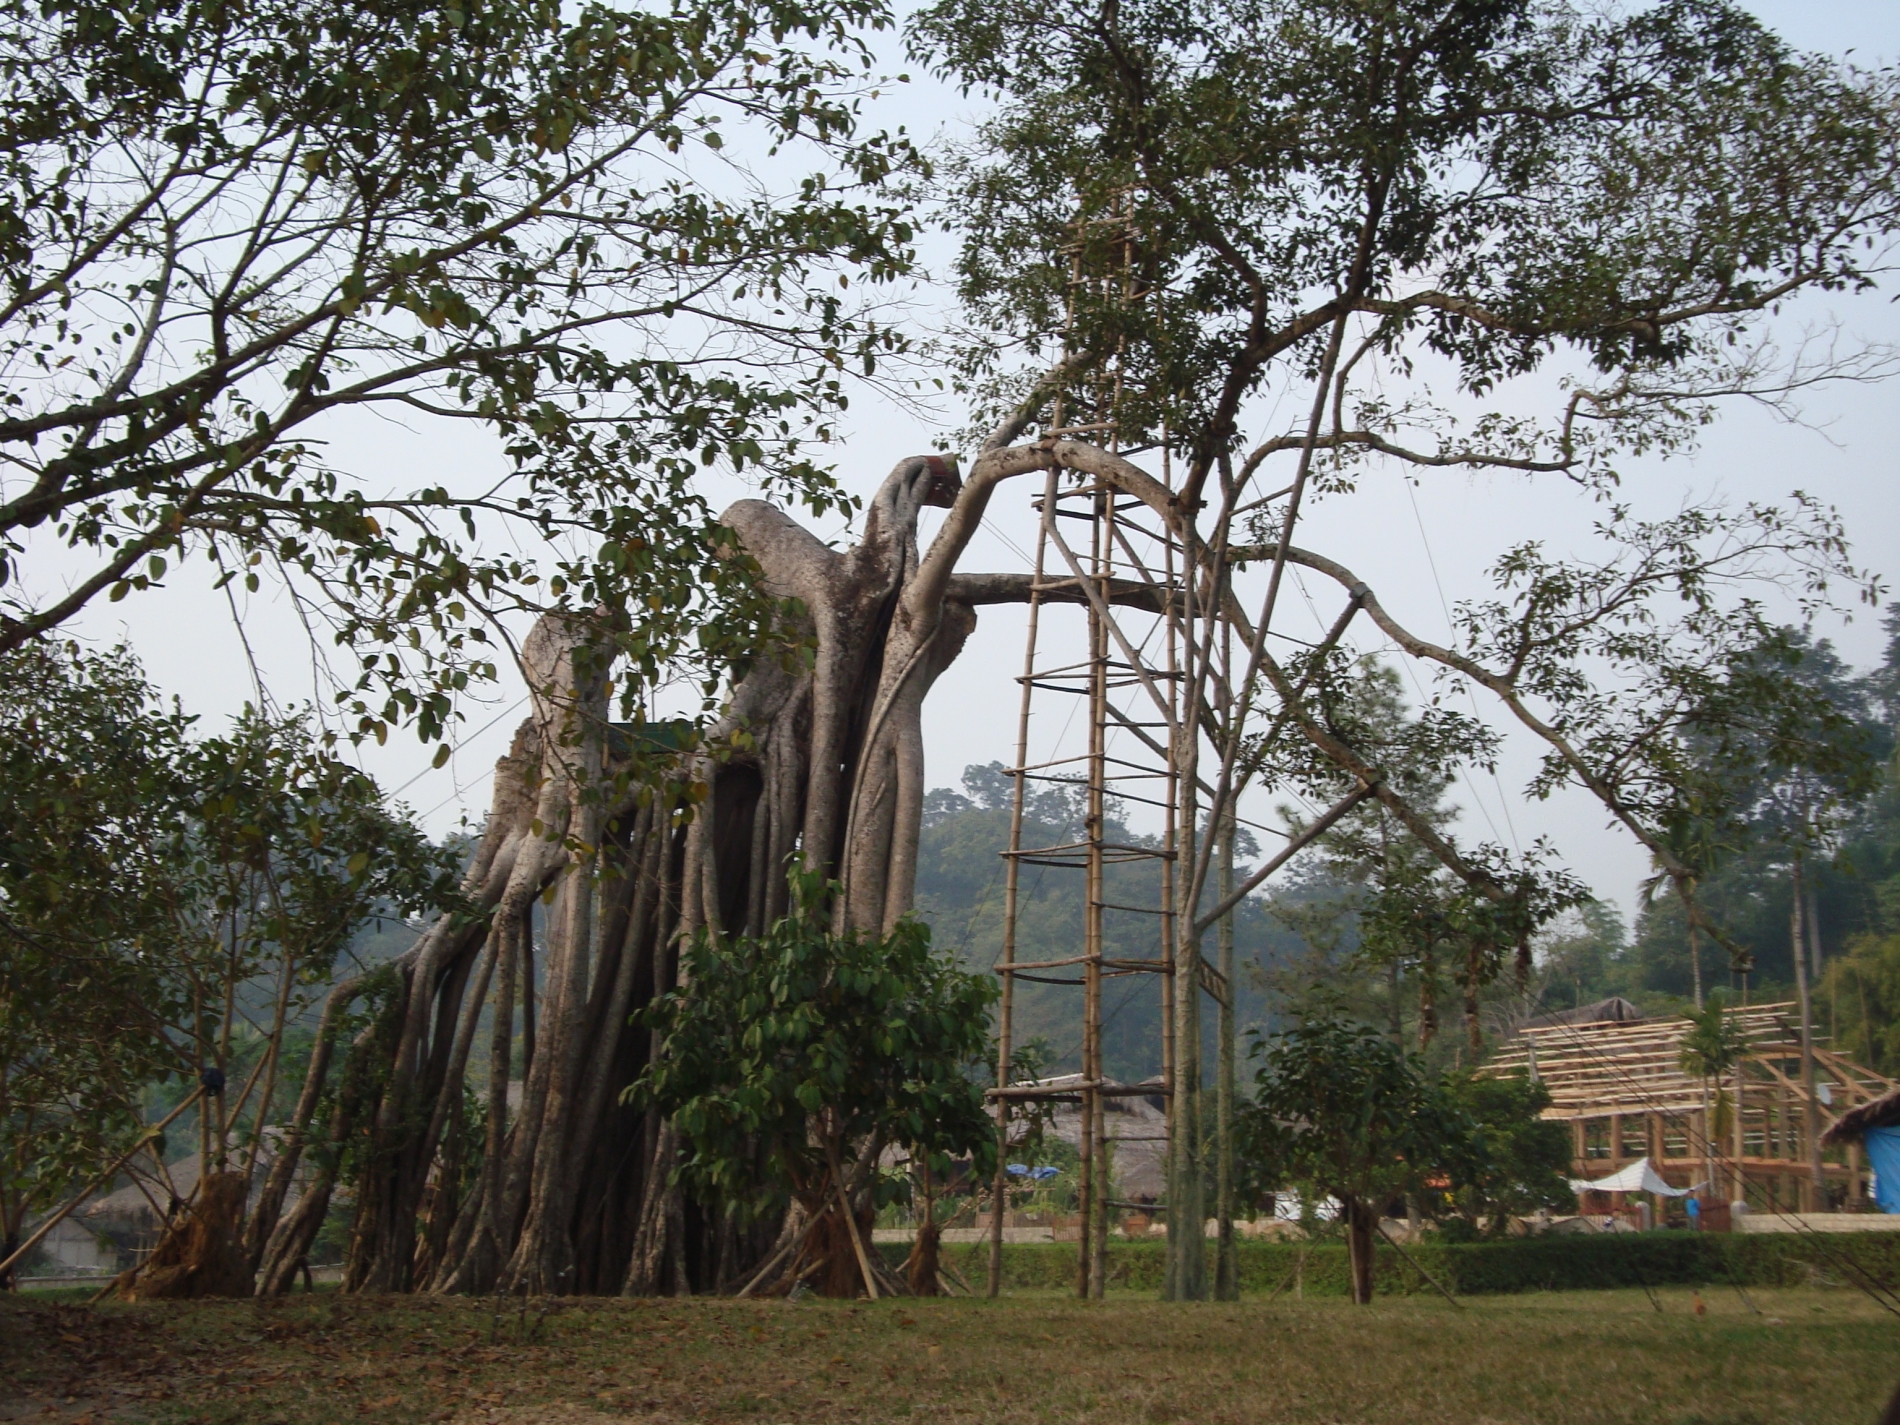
x: 1109, y: 553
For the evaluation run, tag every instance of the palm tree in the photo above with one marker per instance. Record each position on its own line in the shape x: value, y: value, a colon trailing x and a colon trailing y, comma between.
x: 1714, y: 1045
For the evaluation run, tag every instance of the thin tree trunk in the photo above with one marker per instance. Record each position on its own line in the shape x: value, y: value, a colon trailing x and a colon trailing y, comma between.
x: 1186, y: 1275
x: 448, y: 1116
x: 290, y: 1241
x: 629, y: 961
x: 382, y: 1243
x: 659, y: 1254
x: 544, y: 1256
x: 270, y: 1201
x: 1816, y: 959
x: 1810, y: 1102
x: 1187, y: 1211
x: 1361, y: 1220
x: 1695, y: 964
x: 261, y: 1117
x: 647, y: 1263
x: 473, y: 1256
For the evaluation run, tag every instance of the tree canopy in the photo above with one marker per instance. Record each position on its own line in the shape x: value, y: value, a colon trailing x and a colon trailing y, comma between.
x: 1340, y: 1111
x: 170, y: 903
x: 1497, y: 182
x: 222, y: 226
x: 1384, y: 215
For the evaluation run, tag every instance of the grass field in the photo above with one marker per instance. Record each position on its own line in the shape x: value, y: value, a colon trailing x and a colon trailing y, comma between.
x: 1826, y: 1356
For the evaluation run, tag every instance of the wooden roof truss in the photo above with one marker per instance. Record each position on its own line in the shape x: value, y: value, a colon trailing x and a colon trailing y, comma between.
x: 1605, y: 1070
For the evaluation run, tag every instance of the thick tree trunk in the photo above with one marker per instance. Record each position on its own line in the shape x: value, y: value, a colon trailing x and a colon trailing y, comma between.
x: 202, y: 1252
x: 820, y: 759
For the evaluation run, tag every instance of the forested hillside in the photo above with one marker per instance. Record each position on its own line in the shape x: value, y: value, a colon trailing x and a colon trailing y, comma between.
x: 960, y: 878
x: 1303, y: 936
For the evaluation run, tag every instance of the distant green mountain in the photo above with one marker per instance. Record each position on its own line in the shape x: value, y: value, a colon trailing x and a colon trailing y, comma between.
x: 960, y: 885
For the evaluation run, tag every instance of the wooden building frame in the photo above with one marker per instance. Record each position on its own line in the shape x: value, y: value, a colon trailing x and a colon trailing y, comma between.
x: 1623, y: 1093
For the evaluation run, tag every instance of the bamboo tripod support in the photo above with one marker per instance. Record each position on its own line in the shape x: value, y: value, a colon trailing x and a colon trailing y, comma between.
x: 1130, y: 684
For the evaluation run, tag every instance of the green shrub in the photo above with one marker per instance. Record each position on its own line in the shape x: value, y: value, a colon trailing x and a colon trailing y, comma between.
x: 1551, y: 1263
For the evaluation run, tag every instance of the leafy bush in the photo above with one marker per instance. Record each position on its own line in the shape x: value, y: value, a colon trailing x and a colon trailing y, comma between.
x: 793, y: 1060
x: 1518, y: 1162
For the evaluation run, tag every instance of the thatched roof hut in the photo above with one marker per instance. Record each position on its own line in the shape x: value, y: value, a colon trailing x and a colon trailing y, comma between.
x: 1882, y: 1112
x: 1614, y: 1010
x: 151, y: 1194
x: 143, y: 1203
x: 1875, y: 1126
x: 1137, y: 1129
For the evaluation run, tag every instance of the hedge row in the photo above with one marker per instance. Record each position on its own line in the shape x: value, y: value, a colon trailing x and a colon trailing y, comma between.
x: 1551, y: 1263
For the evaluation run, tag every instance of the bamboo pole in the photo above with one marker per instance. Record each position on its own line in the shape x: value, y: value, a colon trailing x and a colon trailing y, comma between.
x: 1430, y: 1279
x: 1227, y: 1255
x: 92, y: 1187
x: 1012, y: 880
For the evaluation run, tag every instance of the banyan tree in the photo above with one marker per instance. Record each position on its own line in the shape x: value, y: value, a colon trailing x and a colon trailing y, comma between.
x: 1489, y: 193
x: 600, y: 874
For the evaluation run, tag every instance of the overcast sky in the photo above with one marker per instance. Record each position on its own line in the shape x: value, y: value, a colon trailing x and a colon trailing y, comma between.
x: 1423, y: 549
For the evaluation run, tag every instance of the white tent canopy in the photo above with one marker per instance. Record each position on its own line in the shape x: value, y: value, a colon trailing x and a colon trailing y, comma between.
x: 1639, y: 1176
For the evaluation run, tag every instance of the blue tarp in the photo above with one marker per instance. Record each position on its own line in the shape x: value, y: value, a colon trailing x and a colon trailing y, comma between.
x: 1042, y: 1174
x: 1883, y: 1156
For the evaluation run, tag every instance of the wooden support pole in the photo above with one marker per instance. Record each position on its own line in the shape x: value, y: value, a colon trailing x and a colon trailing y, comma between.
x: 1431, y: 1280
x: 145, y: 1136
x: 1012, y: 879
x: 1227, y: 1252
x: 1092, y: 1251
